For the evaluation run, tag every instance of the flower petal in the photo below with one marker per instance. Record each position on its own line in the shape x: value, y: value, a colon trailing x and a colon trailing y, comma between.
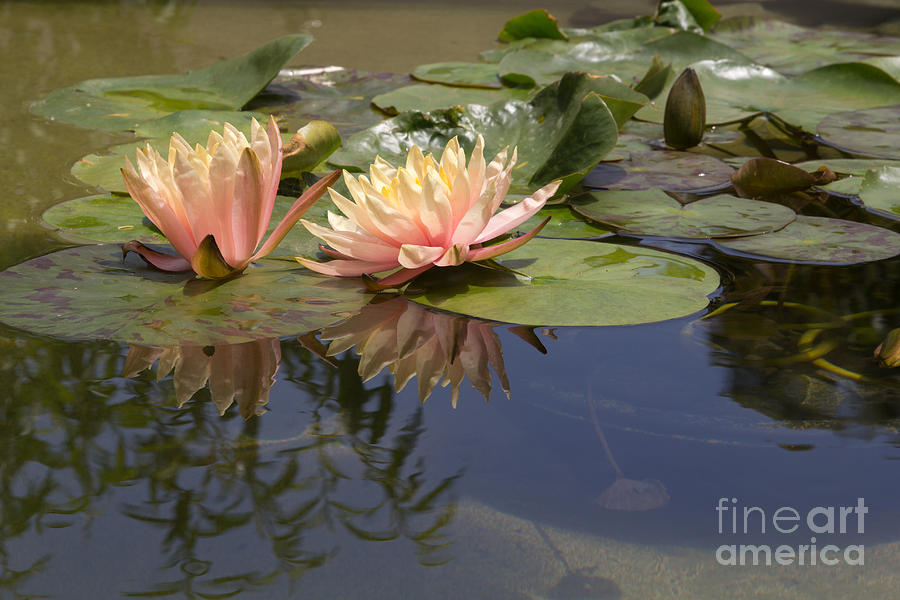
x: 345, y: 268
x: 476, y: 254
x: 413, y: 256
x: 359, y: 246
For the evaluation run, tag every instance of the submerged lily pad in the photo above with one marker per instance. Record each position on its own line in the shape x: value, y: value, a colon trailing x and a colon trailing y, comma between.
x: 872, y: 132
x: 561, y: 133
x: 89, y: 293
x: 880, y: 191
x: 820, y: 240
x: 666, y: 169
x: 573, y: 283
x: 118, y: 219
x: 125, y: 102
x: 652, y: 212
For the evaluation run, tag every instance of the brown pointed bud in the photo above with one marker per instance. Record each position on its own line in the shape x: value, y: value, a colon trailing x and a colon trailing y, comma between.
x: 685, y: 116
x: 888, y: 352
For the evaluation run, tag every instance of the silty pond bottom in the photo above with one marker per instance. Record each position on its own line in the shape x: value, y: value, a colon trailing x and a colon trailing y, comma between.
x: 599, y: 477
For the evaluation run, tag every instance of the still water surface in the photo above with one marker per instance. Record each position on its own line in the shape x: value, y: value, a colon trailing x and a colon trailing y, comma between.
x: 109, y: 488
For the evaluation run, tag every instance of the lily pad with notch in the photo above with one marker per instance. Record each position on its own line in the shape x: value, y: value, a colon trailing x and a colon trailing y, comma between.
x: 653, y: 212
x: 88, y: 292
x: 573, y: 282
x: 872, y: 132
x: 819, y: 240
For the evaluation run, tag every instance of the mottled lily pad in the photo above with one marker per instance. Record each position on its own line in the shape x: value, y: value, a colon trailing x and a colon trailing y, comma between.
x: 666, y: 169
x: 89, y: 293
x: 652, y: 212
x: 564, y: 224
x: 118, y: 219
x: 872, y: 132
x: 820, y: 240
x: 123, y: 103
x: 573, y: 282
x: 561, y: 133
x: 880, y: 191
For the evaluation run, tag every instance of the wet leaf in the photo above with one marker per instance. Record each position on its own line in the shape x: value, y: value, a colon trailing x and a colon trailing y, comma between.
x: 652, y: 212
x: 760, y: 177
x: 573, y: 283
x: 560, y: 134
x: 820, y: 240
x: 872, y: 132
x: 666, y: 169
x: 880, y: 191
x: 533, y: 24
x: 123, y: 103
x: 89, y: 293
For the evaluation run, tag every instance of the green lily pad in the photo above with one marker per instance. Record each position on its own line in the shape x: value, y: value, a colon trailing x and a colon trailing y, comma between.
x: 791, y: 49
x: 573, y: 282
x: 613, y: 41
x: 89, y: 293
x: 564, y: 224
x: 466, y: 74
x: 853, y: 170
x: 561, y: 133
x: 872, y: 132
x: 667, y: 169
x: 652, y: 212
x: 820, y: 240
x: 687, y: 14
x: 427, y: 96
x: 879, y: 191
x: 118, y: 219
x: 343, y: 97
x: 735, y: 91
x: 123, y: 103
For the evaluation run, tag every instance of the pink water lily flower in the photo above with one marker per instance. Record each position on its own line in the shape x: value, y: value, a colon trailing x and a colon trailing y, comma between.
x: 214, y: 203
x: 423, y: 215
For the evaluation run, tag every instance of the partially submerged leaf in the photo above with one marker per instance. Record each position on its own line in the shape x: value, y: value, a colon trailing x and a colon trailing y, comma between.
x: 465, y: 74
x: 871, y: 132
x: 759, y: 177
x: 880, y: 191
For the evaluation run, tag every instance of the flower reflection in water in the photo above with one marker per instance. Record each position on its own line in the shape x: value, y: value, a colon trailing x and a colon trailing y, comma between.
x: 236, y: 372
x: 410, y: 340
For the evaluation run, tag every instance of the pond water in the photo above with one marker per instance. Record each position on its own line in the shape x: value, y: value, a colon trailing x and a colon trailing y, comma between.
x: 122, y: 486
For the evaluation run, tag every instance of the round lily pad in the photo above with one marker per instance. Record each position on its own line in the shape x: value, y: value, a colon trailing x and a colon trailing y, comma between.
x: 564, y: 224
x: 118, y: 219
x: 652, y: 212
x: 89, y: 293
x: 665, y: 169
x: 879, y: 191
x: 465, y: 74
x: 432, y: 96
x: 573, y: 282
x: 820, y: 240
x: 872, y: 132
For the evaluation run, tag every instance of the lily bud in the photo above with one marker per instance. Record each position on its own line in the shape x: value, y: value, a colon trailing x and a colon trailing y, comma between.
x: 685, y: 116
x: 888, y: 352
